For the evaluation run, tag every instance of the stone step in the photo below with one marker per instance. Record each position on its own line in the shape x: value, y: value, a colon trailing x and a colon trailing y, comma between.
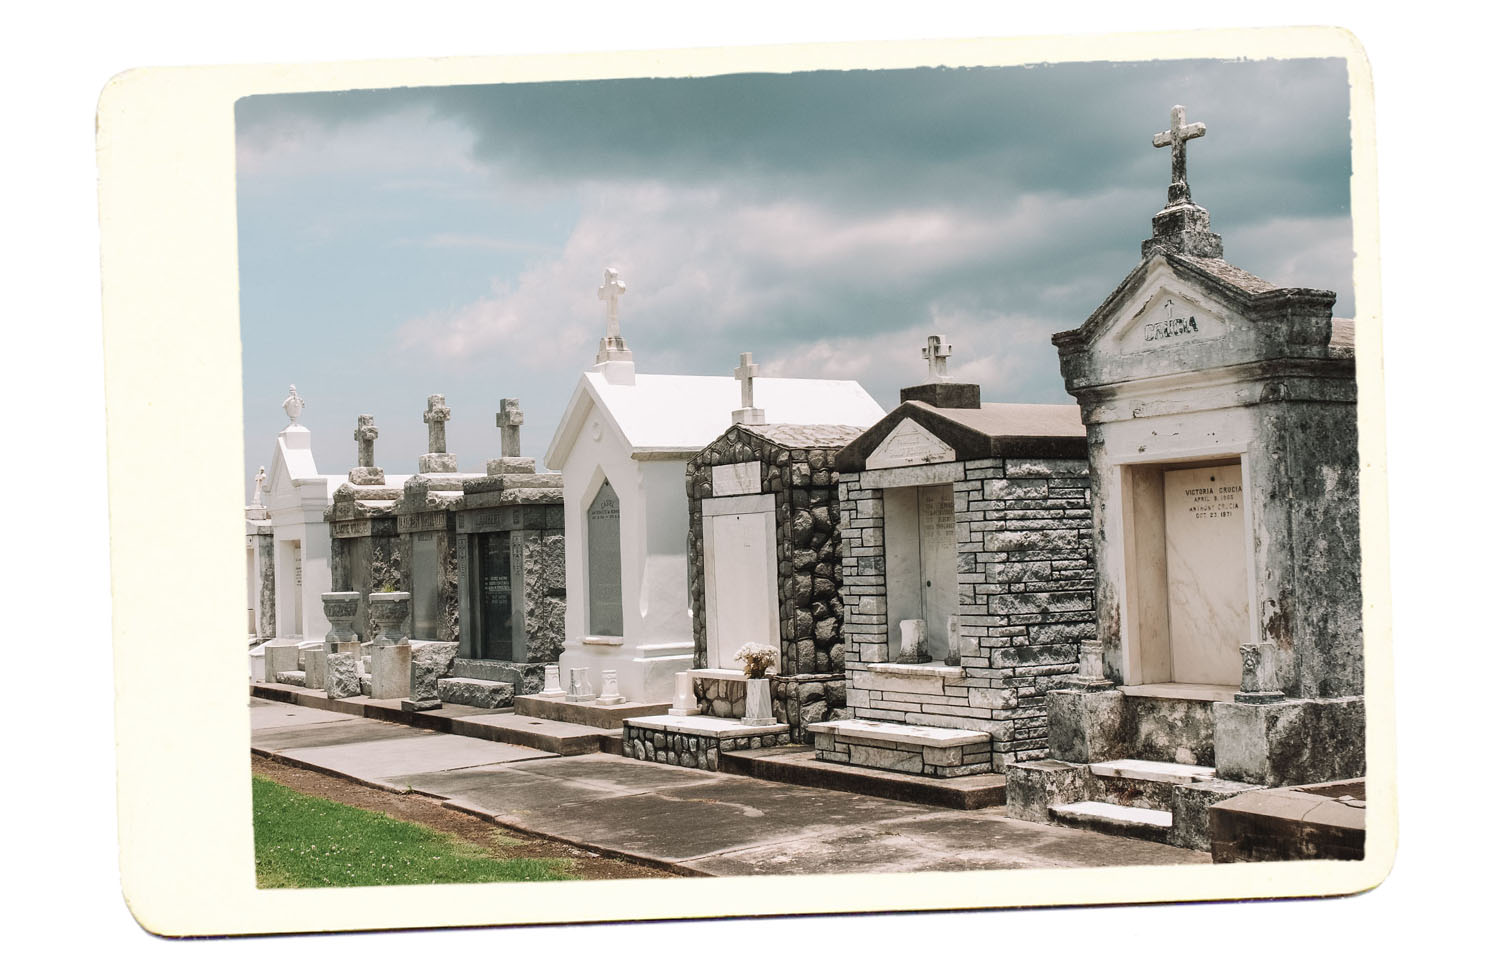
x: 1104, y: 817
x: 475, y: 693
x: 899, y: 747
x: 798, y: 765
x: 1143, y: 783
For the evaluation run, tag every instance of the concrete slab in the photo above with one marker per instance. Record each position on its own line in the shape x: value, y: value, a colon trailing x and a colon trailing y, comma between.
x: 352, y: 731
x: 946, y: 841
x: 385, y: 759
x: 271, y: 715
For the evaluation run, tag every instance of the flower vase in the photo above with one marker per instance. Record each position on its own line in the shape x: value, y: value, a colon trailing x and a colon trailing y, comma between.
x: 758, y: 702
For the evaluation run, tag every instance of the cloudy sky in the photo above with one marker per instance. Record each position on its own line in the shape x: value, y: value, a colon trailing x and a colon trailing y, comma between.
x: 398, y: 243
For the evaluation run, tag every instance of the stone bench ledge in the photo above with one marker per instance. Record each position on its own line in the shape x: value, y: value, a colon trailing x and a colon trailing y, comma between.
x: 922, y: 735
x: 945, y: 671
x: 705, y: 725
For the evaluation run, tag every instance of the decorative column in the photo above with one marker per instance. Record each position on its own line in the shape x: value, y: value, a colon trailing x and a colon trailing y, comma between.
x: 390, y: 654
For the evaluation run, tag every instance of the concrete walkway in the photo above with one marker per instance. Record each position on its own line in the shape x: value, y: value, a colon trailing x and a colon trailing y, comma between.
x: 688, y: 820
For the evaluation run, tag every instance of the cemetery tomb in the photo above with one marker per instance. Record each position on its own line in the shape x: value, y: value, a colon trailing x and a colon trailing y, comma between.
x: 511, y: 578
x: 295, y: 498
x: 966, y: 579
x: 635, y: 433
x: 362, y: 528
x: 1224, y: 472
x: 763, y: 560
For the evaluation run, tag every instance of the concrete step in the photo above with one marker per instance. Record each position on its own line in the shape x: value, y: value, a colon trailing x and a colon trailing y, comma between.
x: 476, y: 693
x: 1143, y: 783
x: 798, y: 765
x: 1104, y: 817
x: 586, y: 713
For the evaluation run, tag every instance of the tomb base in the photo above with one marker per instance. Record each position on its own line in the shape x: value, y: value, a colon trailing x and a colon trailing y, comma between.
x: 646, y: 673
x: 390, y: 670
x: 913, y: 749
x: 475, y: 693
x: 423, y: 704
x: 1086, y: 725
x: 1292, y: 742
x: 315, y: 667
x: 696, y: 741
x: 589, y: 713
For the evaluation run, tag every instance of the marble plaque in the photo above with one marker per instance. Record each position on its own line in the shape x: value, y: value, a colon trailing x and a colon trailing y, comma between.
x: 909, y: 444
x: 739, y: 479
x: 741, y: 596
x: 426, y: 586
x: 1208, y: 600
x: 602, y: 523
x: 495, y: 596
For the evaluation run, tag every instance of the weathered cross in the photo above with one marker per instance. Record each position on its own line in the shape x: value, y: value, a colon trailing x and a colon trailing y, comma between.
x: 293, y: 405
x: 610, y: 293
x: 436, y: 417
x: 936, y: 355
x: 365, y: 434
x: 745, y: 374
x: 1177, y: 136
x: 509, y: 420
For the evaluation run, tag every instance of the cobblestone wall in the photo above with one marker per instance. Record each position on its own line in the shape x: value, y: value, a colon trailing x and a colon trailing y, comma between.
x: 689, y: 749
x: 1025, y: 591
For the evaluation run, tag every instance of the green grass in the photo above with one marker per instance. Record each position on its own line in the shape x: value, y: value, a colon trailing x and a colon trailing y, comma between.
x: 305, y: 841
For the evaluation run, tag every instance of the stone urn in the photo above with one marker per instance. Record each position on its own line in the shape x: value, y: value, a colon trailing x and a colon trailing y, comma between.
x: 388, y: 614
x: 758, y: 702
x: 341, y: 608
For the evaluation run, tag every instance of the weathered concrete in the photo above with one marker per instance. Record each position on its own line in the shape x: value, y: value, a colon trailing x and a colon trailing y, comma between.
x: 1324, y: 822
x: 693, y: 821
x: 1290, y: 742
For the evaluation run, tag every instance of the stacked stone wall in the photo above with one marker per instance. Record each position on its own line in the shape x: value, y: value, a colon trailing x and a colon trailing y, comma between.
x: 1026, y: 598
x: 808, y: 561
x: 692, y: 750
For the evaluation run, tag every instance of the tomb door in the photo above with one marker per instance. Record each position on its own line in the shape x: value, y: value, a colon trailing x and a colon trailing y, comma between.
x: 1208, y: 609
x: 495, y: 596
x: 740, y: 574
x: 602, y: 526
x: 921, y: 563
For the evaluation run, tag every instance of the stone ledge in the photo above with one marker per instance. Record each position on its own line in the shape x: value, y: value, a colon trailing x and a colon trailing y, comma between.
x: 946, y: 672
x: 921, y: 735
x: 1178, y: 691
x: 1147, y: 771
x: 703, y: 725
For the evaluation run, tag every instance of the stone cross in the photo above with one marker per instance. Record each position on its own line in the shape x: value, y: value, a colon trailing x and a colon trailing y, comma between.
x: 260, y: 487
x: 745, y: 375
x: 936, y: 354
x: 1177, y: 136
x: 509, y: 420
x: 610, y: 293
x: 365, y: 434
x: 293, y: 405
x: 436, y: 416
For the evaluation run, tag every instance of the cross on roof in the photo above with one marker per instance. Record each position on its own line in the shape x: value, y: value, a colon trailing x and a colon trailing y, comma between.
x: 1177, y: 136
x: 365, y: 434
x: 745, y: 374
x: 936, y: 355
x: 509, y: 420
x: 436, y: 417
x: 610, y: 292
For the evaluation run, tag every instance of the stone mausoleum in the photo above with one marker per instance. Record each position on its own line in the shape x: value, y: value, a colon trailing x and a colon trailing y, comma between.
x: 764, y: 555
x: 511, y: 574
x: 967, y: 578
x: 366, y: 550
x: 1225, y: 476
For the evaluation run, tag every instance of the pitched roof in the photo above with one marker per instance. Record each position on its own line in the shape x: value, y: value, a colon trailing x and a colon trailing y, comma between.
x: 993, y: 430
x: 676, y: 414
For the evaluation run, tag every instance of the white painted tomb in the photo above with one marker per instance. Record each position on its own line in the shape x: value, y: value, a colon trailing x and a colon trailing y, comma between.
x: 296, y: 497
x: 622, y: 447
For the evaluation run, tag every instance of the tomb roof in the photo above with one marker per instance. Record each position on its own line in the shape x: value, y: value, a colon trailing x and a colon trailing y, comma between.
x: 805, y: 436
x: 993, y: 430
x: 676, y: 415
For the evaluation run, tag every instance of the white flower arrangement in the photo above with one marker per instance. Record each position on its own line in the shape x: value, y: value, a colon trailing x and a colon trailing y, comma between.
x: 757, y: 658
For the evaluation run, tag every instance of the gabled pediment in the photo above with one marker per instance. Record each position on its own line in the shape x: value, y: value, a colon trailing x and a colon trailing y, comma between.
x: 909, y: 444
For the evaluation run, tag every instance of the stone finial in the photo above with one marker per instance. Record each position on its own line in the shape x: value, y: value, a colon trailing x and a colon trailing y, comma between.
x: 612, y: 345
x: 1177, y: 135
x: 1090, y: 675
x: 936, y: 354
x: 509, y: 420
x: 437, y: 459
x: 293, y: 406
x: 1181, y: 227
x: 260, y: 488
x: 747, y: 413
